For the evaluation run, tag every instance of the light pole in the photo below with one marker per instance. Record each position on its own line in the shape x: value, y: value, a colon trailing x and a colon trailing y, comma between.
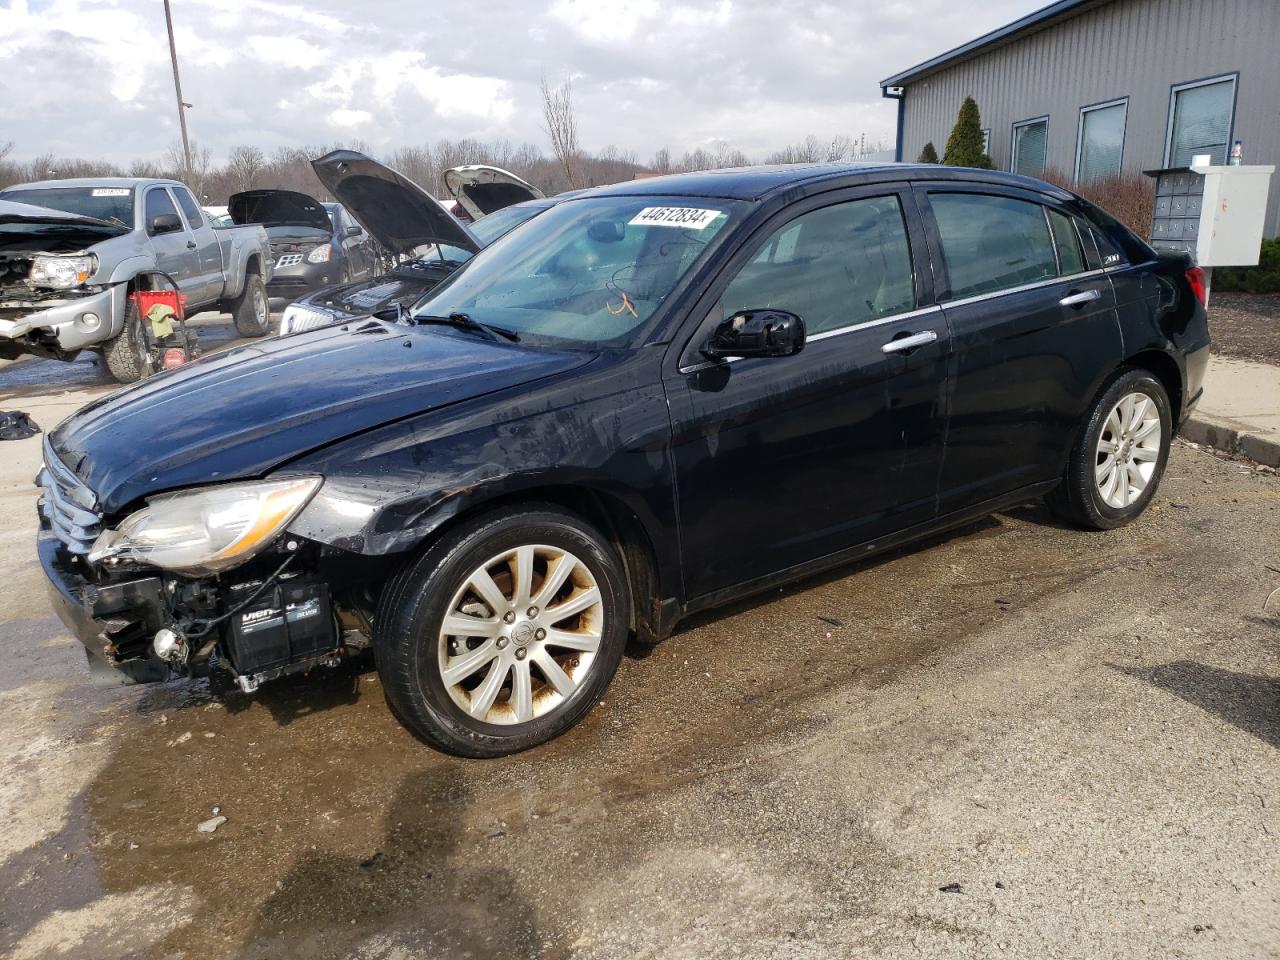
x: 177, y: 87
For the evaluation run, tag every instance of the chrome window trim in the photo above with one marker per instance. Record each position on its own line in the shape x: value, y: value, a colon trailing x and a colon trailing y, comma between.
x: 1019, y: 289
x: 827, y: 334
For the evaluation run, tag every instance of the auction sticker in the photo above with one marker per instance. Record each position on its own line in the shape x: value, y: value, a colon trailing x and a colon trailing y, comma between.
x: 689, y: 218
x: 111, y: 191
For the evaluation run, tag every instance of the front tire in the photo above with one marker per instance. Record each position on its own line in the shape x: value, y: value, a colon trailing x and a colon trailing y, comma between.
x: 1116, y: 465
x: 504, y: 633
x: 128, y: 358
x: 251, y: 310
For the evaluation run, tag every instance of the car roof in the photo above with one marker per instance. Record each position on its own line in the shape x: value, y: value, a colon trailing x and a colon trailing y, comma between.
x: 756, y: 183
x: 95, y: 182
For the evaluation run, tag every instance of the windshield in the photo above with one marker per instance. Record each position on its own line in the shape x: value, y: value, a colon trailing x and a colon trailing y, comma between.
x: 105, y: 203
x: 487, y: 229
x: 591, y: 270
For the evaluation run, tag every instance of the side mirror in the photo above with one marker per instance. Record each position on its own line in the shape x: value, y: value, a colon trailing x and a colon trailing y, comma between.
x: 757, y: 333
x: 352, y: 231
x: 164, y: 223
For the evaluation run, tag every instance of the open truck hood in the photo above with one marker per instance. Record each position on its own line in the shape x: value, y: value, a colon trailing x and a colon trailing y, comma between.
x: 395, y: 211
x: 482, y: 189
x: 278, y: 208
x: 25, y: 228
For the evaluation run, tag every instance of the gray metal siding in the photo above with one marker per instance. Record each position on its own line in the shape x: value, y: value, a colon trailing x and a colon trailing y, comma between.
x: 1127, y: 48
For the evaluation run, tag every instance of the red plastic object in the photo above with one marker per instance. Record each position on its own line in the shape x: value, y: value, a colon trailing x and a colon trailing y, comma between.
x: 1195, y: 277
x: 146, y: 299
x: 174, y: 357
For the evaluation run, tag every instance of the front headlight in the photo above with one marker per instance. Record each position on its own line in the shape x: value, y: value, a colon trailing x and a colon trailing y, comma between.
x: 320, y: 254
x: 297, y: 317
x: 61, y: 273
x: 208, y: 530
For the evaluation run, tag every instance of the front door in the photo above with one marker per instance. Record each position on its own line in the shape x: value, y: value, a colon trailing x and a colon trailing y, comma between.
x: 1034, y: 331
x: 786, y: 460
x: 175, y: 251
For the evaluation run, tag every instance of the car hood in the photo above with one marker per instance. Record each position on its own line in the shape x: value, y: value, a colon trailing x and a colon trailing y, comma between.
x: 394, y: 210
x: 482, y: 189
x: 26, y: 228
x: 239, y: 414
x: 278, y: 208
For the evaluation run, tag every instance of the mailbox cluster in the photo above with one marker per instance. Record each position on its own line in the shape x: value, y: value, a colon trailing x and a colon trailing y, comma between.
x: 1175, y: 223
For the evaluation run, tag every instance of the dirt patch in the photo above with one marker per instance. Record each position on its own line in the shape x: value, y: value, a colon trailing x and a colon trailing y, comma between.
x: 1246, y: 325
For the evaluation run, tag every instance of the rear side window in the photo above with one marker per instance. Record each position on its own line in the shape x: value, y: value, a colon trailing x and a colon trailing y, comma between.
x: 837, y: 266
x: 158, y: 203
x: 189, y: 206
x: 1065, y: 238
x: 992, y: 243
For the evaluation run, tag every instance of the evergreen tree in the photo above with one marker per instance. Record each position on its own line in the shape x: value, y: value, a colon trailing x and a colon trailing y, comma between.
x: 929, y: 154
x: 964, y: 146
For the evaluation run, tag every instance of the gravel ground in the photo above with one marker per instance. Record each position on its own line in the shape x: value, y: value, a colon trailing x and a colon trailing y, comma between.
x: 1017, y: 740
x: 1246, y: 325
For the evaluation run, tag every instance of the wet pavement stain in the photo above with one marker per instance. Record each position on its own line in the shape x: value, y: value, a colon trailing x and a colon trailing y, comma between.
x: 699, y: 802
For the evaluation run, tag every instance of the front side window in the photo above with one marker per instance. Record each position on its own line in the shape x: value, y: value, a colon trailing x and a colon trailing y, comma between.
x: 992, y: 243
x: 189, y: 206
x: 158, y: 204
x: 1101, y: 145
x: 591, y: 271
x: 834, y: 267
x: 1030, y: 146
x: 1200, y: 118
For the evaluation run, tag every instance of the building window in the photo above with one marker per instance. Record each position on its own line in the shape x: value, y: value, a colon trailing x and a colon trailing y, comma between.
x: 986, y: 140
x: 1200, y: 118
x: 1100, y: 141
x: 1030, y: 142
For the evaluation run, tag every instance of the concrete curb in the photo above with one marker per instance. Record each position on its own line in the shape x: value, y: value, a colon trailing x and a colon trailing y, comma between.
x: 1233, y: 437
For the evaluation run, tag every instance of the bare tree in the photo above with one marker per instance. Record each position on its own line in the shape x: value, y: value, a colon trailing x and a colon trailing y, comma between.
x: 244, y: 164
x: 561, y: 124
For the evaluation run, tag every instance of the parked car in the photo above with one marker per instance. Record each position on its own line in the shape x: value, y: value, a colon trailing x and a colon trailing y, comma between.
x: 652, y: 399
x: 314, y: 244
x: 66, y: 278
x: 427, y: 241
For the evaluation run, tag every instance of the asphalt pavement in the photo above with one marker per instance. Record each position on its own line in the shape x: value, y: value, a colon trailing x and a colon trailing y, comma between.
x: 1017, y: 740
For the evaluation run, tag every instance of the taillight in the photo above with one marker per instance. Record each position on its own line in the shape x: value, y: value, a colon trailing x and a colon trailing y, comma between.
x: 1195, y: 277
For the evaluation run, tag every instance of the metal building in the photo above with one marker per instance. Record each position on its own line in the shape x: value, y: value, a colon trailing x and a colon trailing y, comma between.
x: 1091, y: 88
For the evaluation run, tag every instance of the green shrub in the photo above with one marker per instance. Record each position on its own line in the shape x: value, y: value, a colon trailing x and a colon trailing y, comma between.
x: 964, y: 146
x: 1264, y: 278
x: 929, y: 154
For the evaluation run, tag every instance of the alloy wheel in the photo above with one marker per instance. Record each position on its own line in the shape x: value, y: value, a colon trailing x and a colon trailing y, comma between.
x: 521, y: 634
x: 1128, y: 450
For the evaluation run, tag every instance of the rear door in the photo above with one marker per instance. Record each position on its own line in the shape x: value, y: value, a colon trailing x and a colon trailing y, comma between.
x: 785, y: 460
x: 210, y: 280
x: 1033, y: 328
x: 174, y: 251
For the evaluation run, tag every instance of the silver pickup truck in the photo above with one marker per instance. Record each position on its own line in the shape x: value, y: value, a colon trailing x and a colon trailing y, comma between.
x: 72, y: 252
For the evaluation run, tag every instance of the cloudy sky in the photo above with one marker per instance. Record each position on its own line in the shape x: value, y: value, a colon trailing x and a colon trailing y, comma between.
x: 91, y: 77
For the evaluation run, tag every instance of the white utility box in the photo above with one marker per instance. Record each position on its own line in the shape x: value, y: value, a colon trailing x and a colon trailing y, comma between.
x: 1214, y: 213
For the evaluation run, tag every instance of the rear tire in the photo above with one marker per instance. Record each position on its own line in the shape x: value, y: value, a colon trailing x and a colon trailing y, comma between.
x: 251, y: 310
x: 1116, y: 464
x: 126, y: 353
x: 531, y: 670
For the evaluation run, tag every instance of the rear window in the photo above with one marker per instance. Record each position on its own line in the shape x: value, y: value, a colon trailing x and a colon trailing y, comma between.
x: 992, y: 243
x: 113, y: 204
x: 1070, y: 254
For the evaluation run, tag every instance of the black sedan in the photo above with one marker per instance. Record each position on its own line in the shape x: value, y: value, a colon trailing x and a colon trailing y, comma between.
x: 652, y: 399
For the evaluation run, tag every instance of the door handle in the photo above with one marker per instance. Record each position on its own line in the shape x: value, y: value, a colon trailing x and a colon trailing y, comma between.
x: 909, y: 343
x: 1080, y: 298
x: 191, y: 244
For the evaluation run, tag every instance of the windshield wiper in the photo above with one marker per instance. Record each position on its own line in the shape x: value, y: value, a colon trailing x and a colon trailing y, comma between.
x: 464, y: 321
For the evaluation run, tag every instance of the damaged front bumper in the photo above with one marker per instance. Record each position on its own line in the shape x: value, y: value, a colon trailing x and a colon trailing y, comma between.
x: 64, y: 324
x: 107, y: 619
